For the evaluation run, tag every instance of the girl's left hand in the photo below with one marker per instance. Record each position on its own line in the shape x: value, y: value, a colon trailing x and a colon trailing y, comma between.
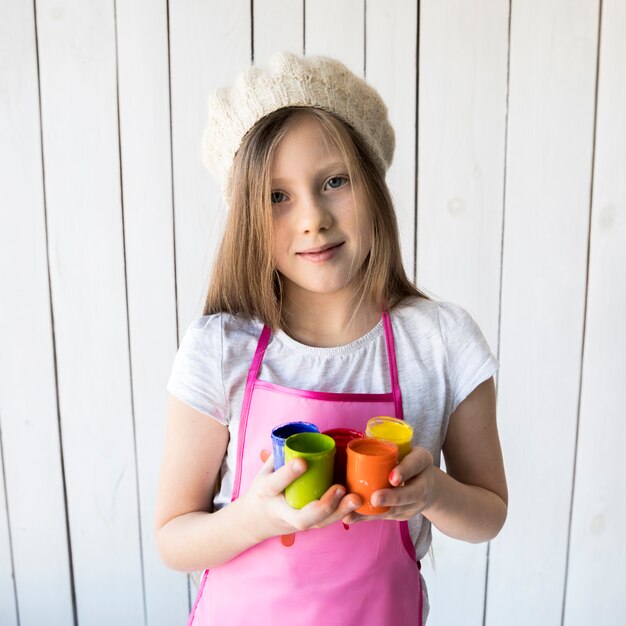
x: 419, y: 491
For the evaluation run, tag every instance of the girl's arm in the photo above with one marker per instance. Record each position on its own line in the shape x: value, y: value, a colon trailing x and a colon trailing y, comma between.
x: 469, y: 501
x: 189, y: 536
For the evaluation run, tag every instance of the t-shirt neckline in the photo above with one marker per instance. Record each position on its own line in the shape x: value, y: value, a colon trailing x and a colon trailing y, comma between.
x: 282, y: 337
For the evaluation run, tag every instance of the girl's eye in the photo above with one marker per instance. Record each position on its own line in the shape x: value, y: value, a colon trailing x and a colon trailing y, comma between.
x: 336, y: 182
x: 276, y: 197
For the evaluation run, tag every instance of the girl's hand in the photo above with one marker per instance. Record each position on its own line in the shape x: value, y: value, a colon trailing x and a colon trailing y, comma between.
x: 418, y: 492
x: 469, y: 500
x: 272, y: 516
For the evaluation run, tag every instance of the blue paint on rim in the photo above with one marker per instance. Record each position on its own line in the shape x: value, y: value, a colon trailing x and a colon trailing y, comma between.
x: 280, y: 434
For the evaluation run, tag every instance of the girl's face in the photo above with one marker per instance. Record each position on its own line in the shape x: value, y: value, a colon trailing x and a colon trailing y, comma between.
x: 321, y: 237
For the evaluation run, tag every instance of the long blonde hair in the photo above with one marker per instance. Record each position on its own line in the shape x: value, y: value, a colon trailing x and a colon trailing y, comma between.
x: 245, y: 281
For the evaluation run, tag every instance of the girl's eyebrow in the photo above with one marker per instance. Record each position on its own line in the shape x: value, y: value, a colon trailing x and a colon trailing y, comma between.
x: 338, y: 165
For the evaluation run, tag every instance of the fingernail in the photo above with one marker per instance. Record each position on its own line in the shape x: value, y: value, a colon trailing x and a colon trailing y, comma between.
x: 352, y: 506
x: 394, y: 477
x: 297, y: 466
x: 339, y: 493
x: 378, y: 501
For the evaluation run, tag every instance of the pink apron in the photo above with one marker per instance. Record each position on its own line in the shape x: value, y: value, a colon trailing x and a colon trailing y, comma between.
x: 366, y: 576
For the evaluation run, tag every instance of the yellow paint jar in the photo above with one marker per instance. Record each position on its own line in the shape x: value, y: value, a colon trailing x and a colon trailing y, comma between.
x: 393, y: 430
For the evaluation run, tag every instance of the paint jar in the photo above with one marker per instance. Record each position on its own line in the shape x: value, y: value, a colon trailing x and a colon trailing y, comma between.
x: 370, y: 462
x: 280, y: 434
x: 342, y: 437
x: 319, y: 453
x: 393, y: 430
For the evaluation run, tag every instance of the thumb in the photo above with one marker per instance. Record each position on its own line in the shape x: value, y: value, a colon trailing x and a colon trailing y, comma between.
x: 285, y: 475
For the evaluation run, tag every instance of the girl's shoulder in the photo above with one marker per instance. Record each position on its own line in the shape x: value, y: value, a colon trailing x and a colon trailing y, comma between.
x: 421, y: 311
x: 225, y: 328
x: 445, y: 320
x: 445, y: 333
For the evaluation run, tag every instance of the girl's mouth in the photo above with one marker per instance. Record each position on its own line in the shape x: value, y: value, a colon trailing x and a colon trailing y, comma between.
x: 321, y: 254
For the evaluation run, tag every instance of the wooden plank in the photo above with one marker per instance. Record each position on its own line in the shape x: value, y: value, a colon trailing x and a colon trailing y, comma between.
x: 8, y: 600
x: 462, y: 111
x: 391, y: 67
x: 86, y: 252
x: 28, y: 413
x: 550, y: 134
x: 143, y: 62
x: 597, y: 551
x: 336, y: 29
x: 278, y: 26
x: 209, y: 46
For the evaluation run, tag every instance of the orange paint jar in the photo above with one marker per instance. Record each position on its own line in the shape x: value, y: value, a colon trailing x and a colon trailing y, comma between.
x: 370, y: 462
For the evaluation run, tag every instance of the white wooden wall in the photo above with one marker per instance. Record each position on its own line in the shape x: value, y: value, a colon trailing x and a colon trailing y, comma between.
x: 510, y: 189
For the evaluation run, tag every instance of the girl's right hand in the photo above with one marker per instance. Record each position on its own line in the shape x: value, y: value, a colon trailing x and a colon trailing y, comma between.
x: 272, y: 516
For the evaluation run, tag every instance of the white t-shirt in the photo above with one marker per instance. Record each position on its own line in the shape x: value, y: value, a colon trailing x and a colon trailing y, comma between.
x: 441, y: 355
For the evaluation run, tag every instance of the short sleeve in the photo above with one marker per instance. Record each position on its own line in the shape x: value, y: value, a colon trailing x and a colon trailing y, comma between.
x: 196, y: 376
x: 469, y: 358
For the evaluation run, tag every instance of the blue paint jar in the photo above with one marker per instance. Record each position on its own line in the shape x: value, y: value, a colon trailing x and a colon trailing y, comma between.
x: 280, y: 434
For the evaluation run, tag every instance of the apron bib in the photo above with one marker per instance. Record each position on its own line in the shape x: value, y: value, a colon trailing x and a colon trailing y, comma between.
x: 365, y: 576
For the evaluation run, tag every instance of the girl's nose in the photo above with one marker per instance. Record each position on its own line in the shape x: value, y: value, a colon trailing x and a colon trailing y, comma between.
x: 313, y: 216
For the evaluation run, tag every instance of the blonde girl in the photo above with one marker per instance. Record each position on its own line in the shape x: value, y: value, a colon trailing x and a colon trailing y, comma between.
x: 310, y: 316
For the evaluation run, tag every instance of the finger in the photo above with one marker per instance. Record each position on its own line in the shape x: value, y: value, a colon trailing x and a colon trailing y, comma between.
x: 314, y: 512
x: 331, y: 507
x: 393, y: 513
x: 355, y: 518
x: 400, y: 513
x: 333, y: 496
x: 411, y: 493
x: 346, y: 505
x: 411, y: 465
x: 285, y: 475
x: 405, y: 512
x: 268, y: 464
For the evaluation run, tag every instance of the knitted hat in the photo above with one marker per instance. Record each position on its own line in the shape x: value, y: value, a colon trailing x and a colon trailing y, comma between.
x: 291, y: 80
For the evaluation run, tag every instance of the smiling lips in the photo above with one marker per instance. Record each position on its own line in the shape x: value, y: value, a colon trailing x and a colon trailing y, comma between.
x: 318, y: 255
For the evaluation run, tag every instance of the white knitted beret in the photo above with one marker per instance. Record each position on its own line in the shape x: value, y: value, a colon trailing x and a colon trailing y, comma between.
x: 290, y: 80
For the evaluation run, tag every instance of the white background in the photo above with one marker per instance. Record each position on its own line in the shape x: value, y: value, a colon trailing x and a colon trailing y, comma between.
x: 510, y: 189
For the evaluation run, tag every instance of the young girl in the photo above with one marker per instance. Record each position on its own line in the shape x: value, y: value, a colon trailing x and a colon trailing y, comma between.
x: 310, y: 316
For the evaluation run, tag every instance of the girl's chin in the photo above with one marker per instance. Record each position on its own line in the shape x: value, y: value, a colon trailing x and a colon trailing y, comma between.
x: 319, y: 288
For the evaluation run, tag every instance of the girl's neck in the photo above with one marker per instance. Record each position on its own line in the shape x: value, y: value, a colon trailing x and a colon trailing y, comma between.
x: 328, y: 320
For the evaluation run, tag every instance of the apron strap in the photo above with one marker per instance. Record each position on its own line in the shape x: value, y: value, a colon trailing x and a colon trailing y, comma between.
x: 253, y: 372
x: 245, y: 407
x: 393, y: 368
x: 259, y: 353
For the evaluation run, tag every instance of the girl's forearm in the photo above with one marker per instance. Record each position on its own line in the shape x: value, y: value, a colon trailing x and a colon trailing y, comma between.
x: 466, y: 512
x: 199, y: 540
